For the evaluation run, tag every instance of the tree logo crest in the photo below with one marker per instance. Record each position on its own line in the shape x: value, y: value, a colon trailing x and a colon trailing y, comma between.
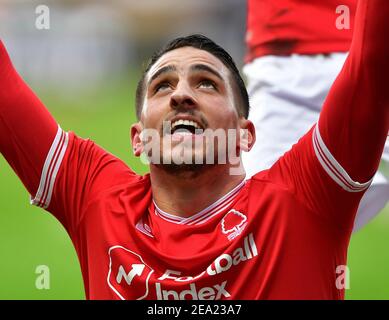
x: 233, y: 223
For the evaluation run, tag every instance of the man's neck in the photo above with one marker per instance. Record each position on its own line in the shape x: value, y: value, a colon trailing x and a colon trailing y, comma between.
x: 186, y: 194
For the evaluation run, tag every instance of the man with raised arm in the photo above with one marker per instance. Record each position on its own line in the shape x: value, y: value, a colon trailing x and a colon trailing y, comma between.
x: 199, y: 230
x: 295, y: 50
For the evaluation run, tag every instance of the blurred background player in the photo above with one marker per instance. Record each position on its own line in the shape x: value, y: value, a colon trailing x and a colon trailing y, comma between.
x: 295, y: 50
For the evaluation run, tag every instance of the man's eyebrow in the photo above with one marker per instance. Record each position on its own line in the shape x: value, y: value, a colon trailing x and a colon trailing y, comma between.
x: 203, y: 67
x: 161, y: 71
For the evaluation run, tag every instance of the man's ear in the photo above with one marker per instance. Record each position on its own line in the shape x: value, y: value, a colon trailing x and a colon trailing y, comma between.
x: 136, y: 139
x: 247, y: 136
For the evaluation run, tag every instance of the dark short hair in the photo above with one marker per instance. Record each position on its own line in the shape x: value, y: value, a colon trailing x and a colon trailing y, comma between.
x: 203, y: 43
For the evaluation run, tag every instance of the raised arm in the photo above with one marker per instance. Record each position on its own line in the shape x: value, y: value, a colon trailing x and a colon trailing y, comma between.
x: 27, y: 130
x: 354, y: 122
x: 333, y: 164
x: 61, y: 171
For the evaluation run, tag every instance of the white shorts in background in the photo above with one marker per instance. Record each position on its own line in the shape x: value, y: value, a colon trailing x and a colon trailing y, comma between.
x: 286, y: 97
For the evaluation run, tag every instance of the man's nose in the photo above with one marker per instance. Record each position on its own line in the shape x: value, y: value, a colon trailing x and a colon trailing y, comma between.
x: 182, y: 96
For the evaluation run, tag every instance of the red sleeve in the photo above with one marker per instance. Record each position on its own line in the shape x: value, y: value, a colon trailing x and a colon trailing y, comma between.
x: 61, y: 171
x: 355, y: 118
x: 331, y: 166
x: 27, y: 129
x: 84, y: 172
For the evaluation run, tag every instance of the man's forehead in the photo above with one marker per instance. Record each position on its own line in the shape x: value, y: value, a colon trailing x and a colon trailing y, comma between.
x: 184, y: 57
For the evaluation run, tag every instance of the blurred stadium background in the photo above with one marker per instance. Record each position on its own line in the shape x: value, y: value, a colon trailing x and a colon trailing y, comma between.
x: 84, y: 69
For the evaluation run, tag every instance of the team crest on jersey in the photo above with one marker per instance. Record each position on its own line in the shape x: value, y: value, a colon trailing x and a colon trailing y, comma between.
x: 233, y: 223
x: 128, y: 274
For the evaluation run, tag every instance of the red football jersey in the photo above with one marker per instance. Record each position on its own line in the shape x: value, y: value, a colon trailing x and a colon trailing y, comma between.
x: 283, y: 234
x: 283, y: 27
x: 263, y: 240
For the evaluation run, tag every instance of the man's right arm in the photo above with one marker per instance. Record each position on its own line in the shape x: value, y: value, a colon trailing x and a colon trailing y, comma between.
x: 61, y: 171
x: 27, y: 130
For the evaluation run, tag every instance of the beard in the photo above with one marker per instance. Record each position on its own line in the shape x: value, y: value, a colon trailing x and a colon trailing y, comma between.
x: 189, y: 157
x: 187, y: 160
x: 189, y: 171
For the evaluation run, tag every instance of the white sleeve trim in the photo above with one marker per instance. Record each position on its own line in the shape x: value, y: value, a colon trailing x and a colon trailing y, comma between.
x: 333, y: 168
x: 50, y: 169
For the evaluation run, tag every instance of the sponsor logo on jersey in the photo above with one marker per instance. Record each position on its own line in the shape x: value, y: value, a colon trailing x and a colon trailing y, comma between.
x: 233, y: 224
x: 128, y: 274
x: 222, y: 263
x: 215, y: 292
x: 131, y: 278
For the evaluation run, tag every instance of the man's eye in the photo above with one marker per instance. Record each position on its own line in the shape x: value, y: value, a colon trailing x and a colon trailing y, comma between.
x: 208, y: 84
x: 162, y: 86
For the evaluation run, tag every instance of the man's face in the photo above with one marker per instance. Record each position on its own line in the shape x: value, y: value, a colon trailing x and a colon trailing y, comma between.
x: 188, y: 94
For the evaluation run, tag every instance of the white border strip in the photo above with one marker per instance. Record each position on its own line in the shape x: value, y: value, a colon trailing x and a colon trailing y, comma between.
x: 50, y: 169
x: 215, y: 206
x: 333, y: 168
x: 212, y: 209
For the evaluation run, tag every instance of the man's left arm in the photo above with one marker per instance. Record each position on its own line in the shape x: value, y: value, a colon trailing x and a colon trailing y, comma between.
x: 354, y: 122
x: 334, y: 163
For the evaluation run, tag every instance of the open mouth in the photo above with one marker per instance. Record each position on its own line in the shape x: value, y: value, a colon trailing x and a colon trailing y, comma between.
x: 185, y: 127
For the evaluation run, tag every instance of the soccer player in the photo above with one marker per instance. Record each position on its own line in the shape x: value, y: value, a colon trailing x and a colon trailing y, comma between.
x: 295, y: 51
x: 201, y: 231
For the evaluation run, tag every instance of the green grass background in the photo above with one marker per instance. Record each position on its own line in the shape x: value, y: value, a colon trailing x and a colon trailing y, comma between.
x: 30, y: 237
